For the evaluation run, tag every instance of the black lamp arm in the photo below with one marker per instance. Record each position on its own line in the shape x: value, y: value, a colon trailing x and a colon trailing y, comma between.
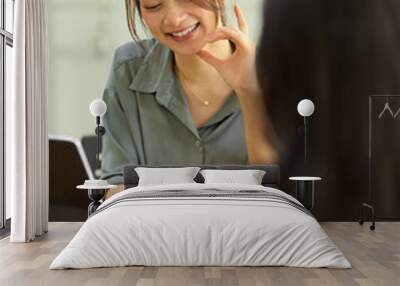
x: 100, y: 131
x: 305, y: 139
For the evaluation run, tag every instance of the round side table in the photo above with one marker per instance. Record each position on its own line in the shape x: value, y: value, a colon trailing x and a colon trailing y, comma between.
x: 95, y: 194
x: 305, y: 190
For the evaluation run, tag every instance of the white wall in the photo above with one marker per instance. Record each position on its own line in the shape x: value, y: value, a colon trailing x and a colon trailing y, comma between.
x: 83, y: 35
x: 253, y: 13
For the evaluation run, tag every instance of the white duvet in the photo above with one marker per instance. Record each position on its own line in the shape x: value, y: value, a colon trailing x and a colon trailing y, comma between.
x: 200, y: 231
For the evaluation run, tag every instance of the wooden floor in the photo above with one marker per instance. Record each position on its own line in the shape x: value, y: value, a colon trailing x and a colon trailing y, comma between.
x: 375, y: 257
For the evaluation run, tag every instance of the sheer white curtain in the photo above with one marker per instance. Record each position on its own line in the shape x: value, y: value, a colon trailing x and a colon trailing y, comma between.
x: 26, y: 123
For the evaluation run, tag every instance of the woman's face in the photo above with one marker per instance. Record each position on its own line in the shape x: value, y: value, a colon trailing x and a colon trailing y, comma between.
x: 180, y: 25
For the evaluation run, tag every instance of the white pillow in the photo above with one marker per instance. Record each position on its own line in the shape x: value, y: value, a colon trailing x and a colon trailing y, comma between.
x: 248, y: 177
x: 162, y: 176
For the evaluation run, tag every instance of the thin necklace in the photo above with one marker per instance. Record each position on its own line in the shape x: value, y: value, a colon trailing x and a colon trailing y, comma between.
x: 205, y: 102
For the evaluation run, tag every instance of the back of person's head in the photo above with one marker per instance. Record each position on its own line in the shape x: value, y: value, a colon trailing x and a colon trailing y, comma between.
x: 336, y: 53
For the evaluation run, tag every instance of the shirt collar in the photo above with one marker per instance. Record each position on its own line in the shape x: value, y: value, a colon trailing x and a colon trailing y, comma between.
x: 156, y: 75
x: 155, y: 70
x: 230, y: 106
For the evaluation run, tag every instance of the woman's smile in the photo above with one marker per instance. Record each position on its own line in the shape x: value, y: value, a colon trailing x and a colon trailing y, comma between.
x: 181, y: 25
x: 184, y: 34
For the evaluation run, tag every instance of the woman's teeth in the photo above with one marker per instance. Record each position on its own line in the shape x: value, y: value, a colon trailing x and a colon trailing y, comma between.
x: 185, y: 32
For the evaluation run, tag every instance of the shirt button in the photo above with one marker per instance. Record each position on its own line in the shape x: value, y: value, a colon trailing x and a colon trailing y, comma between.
x: 199, y: 145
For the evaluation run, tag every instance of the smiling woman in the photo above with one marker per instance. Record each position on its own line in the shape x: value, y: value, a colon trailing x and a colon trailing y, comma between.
x: 187, y: 96
x: 218, y: 7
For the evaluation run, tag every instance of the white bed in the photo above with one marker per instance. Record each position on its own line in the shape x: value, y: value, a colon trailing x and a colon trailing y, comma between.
x: 262, y: 228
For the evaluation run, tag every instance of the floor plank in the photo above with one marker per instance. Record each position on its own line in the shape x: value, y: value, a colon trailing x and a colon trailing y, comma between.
x: 375, y: 257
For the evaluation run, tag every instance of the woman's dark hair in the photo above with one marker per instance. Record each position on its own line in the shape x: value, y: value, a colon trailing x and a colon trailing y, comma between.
x: 335, y: 53
x: 217, y: 6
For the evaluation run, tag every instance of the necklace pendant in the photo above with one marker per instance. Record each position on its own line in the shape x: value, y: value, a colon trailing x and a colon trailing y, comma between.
x: 206, y: 103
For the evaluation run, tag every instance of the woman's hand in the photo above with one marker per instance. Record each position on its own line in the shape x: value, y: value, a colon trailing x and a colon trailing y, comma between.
x: 238, y: 70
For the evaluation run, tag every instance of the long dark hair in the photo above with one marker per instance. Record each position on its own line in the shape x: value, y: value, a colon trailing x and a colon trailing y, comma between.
x: 319, y: 50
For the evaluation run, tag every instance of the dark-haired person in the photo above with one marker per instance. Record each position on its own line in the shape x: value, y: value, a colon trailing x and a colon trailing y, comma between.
x: 187, y: 96
x: 336, y: 53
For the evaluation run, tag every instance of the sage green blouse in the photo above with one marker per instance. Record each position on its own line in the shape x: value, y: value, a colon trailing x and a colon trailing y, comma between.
x: 148, y: 121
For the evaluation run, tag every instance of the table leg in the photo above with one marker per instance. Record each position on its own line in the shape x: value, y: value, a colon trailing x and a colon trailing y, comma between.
x: 305, y: 193
x: 95, y: 195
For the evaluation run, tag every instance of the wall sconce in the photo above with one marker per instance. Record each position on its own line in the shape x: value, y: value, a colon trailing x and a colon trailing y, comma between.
x: 305, y: 108
x: 98, y: 108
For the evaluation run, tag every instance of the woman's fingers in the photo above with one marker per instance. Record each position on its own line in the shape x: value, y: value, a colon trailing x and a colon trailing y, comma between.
x: 211, y: 59
x: 230, y: 33
x: 241, y: 19
x: 237, y: 35
x: 216, y: 36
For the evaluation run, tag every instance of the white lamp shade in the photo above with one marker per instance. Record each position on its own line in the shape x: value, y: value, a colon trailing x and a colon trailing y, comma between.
x: 305, y: 107
x: 98, y: 107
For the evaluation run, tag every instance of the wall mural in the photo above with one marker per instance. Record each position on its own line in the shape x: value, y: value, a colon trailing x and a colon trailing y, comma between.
x: 159, y: 113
